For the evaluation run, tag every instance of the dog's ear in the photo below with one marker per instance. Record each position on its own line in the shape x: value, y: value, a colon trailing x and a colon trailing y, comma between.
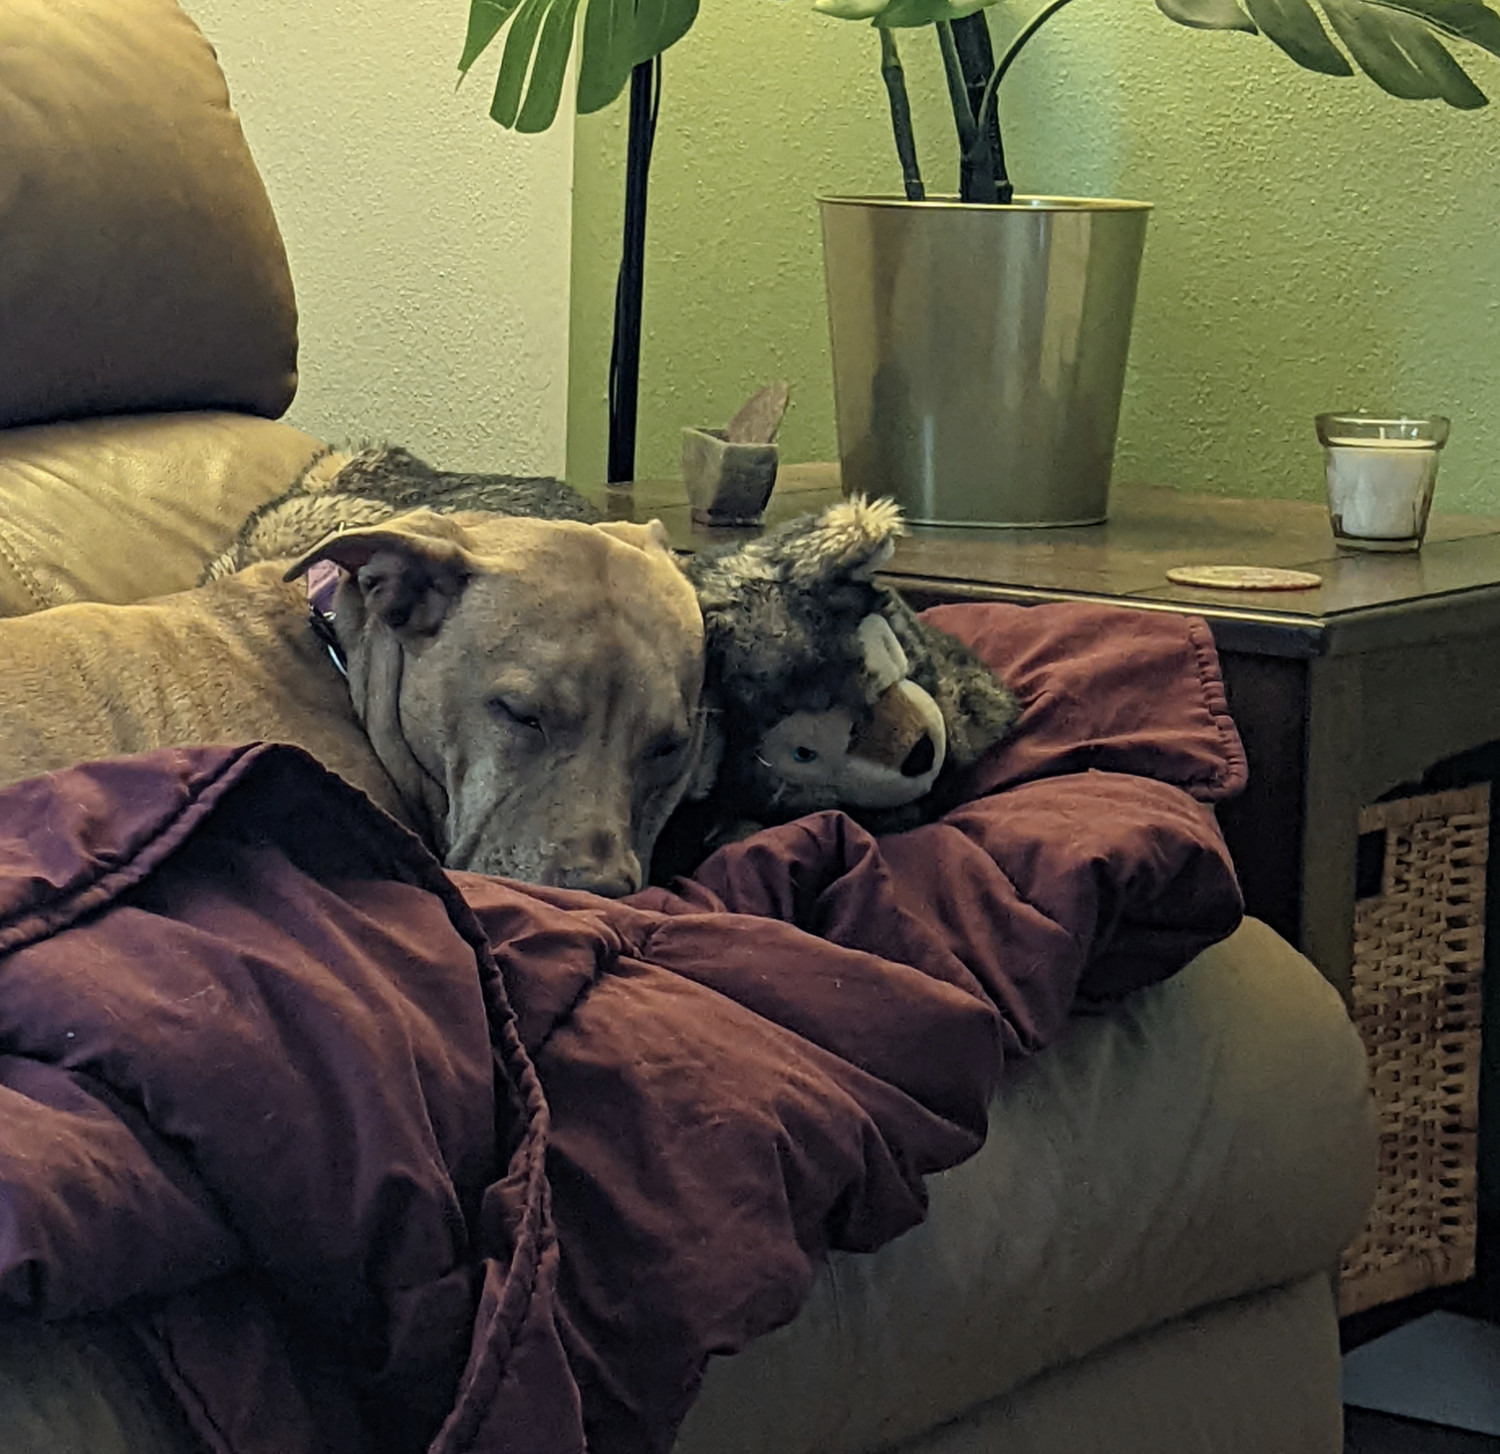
x: 651, y: 536
x: 408, y: 570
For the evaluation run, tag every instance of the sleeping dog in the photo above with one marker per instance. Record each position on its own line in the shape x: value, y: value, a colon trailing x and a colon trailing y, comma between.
x: 522, y: 693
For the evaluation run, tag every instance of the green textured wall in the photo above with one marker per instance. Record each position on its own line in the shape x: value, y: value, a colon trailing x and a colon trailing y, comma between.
x: 427, y: 246
x: 1316, y: 244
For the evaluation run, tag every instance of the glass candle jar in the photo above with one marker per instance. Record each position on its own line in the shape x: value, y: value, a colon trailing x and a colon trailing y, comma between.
x: 1381, y: 472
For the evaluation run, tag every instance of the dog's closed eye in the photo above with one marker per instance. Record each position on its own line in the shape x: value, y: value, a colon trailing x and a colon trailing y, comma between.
x: 516, y: 714
x: 665, y: 747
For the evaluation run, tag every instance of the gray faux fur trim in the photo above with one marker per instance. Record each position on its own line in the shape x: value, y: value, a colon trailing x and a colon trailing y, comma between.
x: 374, y: 483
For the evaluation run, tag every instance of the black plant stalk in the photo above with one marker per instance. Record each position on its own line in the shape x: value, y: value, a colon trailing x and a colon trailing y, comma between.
x: 625, y: 345
x: 895, y: 89
x: 974, y: 78
x: 982, y: 174
x: 987, y: 110
x: 958, y: 95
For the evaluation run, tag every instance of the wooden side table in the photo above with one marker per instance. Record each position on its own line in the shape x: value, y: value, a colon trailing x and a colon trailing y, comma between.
x: 1341, y: 693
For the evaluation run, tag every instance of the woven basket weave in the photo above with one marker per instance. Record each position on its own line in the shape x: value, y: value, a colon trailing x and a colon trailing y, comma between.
x: 1415, y: 997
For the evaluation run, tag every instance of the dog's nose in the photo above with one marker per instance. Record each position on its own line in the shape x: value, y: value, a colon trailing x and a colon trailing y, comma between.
x: 593, y: 881
x: 599, y: 866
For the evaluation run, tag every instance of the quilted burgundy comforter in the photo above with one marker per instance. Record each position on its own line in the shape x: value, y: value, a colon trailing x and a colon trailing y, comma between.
x: 370, y: 1157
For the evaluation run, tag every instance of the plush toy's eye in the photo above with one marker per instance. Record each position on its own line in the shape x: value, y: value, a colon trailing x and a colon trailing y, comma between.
x: 804, y: 754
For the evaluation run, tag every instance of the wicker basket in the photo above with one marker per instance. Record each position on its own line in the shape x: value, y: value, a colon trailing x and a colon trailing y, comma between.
x: 1415, y: 996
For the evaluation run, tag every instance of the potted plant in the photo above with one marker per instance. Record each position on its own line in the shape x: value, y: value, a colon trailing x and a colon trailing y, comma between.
x: 980, y: 340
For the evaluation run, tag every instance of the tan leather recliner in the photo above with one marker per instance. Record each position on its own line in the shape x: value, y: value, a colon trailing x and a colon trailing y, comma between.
x: 1137, y: 1261
x: 148, y: 331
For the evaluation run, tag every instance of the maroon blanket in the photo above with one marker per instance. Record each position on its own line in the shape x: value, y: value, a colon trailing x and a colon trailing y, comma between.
x: 371, y: 1157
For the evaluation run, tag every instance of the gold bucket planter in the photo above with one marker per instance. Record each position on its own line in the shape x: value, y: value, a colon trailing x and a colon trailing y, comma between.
x: 979, y: 352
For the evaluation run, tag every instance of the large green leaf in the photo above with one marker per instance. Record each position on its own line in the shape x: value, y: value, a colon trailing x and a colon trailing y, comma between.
x: 485, y: 19
x: 1401, y: 55
x: 901, y: 14
x: 1207, y: 14
x: 608, y: 45
x: 548, y: 67
x: 617, y: 36
x: 1295, y: 27
x: 515, y: 61
x: 1395, y: 42
x: 1468, y: 20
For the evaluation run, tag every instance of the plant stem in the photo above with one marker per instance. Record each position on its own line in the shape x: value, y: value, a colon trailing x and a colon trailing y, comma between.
x: 958, y: 94
x: 895, y: 87
x: 987, y: 105
x: 982, y: 175
x: 625, y: 345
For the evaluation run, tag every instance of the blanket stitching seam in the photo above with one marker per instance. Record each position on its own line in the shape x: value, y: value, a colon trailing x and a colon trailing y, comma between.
x: 1216, y: 702
x: 535, y: 1232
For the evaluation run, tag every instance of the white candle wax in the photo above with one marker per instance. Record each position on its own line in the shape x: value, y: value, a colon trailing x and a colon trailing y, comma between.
x: 1379, y: 490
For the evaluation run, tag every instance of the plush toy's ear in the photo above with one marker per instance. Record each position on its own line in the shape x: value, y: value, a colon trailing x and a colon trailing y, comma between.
x: 650, y: 536
x: 814, y: 554
x: 848, y: 541
x: 884, y: 659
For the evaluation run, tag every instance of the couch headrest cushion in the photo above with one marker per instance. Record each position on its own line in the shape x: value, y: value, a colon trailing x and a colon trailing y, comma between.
x: 140, y: 262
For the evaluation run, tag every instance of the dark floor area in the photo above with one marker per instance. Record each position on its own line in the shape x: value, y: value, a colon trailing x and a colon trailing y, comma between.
x: 1435, y: 1378
x: 1371, y: 1433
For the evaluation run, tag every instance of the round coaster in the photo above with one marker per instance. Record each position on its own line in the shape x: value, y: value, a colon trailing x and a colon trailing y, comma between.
x: 1244, y: 577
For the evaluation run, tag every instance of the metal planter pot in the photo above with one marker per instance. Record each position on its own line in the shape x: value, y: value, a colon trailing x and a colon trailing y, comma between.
x: 979, y: 352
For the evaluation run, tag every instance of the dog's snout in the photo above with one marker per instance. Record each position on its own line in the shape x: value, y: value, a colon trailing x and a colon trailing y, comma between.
x: 920, y: 759
x: 613, y: 887
x: 599, y: 865
x: 593, y: 880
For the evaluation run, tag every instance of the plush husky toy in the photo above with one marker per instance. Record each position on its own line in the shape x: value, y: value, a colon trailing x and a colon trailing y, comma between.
x: 830, y: 691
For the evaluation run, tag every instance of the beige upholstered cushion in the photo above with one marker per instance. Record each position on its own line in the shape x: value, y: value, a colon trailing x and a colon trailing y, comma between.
x: 140, y: 264
x: 1258, y: 1375
x: 1212, y: 1137
x: 121, y: 509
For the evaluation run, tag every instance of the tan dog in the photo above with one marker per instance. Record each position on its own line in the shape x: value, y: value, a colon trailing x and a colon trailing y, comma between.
x: 523, y: 693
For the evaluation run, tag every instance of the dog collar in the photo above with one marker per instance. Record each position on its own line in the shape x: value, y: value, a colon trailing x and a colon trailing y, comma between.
x: 322, y: 584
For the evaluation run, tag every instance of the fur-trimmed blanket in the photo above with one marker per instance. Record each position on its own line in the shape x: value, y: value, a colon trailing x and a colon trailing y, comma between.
x: 337, y: 491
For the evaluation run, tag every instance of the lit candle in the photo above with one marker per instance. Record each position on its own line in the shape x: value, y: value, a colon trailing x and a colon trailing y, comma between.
x: 1380, y: 490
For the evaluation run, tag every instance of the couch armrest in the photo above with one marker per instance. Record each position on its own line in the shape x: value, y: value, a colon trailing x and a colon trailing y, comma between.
x: 119, y: 509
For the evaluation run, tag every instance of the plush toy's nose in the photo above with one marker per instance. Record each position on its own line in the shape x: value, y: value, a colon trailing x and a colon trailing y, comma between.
x: 902, y: 736
x: 920, y: 759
